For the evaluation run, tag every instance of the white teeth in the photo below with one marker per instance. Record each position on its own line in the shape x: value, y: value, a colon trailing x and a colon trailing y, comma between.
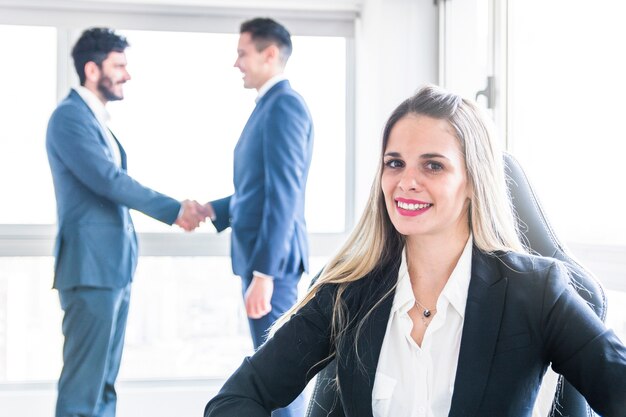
x: 410, y: 206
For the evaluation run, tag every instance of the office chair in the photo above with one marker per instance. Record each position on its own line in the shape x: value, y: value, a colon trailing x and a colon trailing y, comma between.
x: 540, y: 238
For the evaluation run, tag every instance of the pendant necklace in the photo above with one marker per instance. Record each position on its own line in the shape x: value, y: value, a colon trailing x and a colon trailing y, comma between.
x: 426, y: 312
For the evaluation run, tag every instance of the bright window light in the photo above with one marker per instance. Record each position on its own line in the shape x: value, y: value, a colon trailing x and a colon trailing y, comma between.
x: 26, y: 102
x: 185, y: 107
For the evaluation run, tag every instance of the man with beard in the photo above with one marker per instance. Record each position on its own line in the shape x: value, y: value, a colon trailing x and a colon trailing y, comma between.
x: 96, y: 245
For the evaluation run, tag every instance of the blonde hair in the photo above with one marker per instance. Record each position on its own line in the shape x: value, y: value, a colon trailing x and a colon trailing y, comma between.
x: 374, y: 242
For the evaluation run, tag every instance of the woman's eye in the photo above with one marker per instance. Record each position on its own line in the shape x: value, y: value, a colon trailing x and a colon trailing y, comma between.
x: 434, y: 166
x: 394, y: 163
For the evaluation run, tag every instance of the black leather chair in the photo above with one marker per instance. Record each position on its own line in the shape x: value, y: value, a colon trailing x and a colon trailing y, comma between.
x: 541, y: 239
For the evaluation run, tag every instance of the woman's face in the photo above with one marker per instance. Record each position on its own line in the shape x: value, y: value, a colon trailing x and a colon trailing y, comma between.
x: 424, y: 179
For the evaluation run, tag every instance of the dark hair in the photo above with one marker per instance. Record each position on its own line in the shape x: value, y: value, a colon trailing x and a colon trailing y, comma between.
x: 265, y: 31
x: 94, y: 45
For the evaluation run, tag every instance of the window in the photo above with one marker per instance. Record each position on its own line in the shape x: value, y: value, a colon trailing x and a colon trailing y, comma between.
x: 186, y: 315
x: 558, y: 106
x: 185, y: 107
x: 465, y: 46
x: 182, y: 115
x: 565, y: 107
x: 27, y: 99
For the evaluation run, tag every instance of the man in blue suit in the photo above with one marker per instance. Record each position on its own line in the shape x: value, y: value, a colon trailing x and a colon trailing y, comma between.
x: 269, y: 245
x: 96, y: 246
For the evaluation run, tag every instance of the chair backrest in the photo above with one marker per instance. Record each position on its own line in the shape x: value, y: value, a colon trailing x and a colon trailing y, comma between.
x: 539, y: 236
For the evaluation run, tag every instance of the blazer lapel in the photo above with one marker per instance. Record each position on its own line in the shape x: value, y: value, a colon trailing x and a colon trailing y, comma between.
x: 257, y: 112
x: 483, y: 314
x: 360, y: 376
x: 370, y: 345
x: 122, y: 151
x: 107, y: 148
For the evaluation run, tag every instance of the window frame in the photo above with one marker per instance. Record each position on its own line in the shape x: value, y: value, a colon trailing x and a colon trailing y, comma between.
x: 70, y: 20
x: 607, y: 261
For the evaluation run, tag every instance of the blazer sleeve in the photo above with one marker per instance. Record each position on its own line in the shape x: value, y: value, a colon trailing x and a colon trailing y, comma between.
x: 286, y: 155
x: 221, y: 208
x: 76, y: 142
x: 590, y: 356
x: 274, y: 376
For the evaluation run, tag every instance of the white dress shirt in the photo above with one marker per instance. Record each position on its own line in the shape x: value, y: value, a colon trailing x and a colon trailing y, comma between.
x: 414, y: 381
x: 103, y: 117
x: 269, y: 84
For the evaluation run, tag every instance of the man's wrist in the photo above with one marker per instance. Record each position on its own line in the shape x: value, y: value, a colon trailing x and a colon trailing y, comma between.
x: 261, y: 275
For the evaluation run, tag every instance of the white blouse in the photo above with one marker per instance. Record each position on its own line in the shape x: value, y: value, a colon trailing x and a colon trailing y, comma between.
x: 416, y: 381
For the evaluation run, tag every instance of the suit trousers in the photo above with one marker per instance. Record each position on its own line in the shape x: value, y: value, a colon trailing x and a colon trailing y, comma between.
x: 94, y: 325
x: 284, y: 297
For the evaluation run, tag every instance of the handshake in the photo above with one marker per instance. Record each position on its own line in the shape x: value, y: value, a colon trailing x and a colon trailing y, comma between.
x: 193, y: 214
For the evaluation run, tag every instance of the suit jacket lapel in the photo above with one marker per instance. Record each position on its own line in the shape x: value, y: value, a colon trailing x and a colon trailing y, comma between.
x: 122, y: 151
x: 107, y: 149
x: 483, y: 314
x: 360, y: 378
x: 281, y: 85
x: 256, y: 112
x: 370, y: 345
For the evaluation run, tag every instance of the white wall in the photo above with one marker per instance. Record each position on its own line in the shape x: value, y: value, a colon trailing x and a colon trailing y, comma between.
x: 396, y: 53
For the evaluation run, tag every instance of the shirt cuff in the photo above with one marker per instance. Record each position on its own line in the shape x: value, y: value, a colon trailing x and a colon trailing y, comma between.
x: 262, y: 275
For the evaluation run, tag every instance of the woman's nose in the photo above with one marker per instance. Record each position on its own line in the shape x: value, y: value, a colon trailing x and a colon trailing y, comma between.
x: 410, y: 180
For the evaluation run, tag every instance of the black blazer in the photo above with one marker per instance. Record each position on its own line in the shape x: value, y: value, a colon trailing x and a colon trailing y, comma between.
x: 522, y: 315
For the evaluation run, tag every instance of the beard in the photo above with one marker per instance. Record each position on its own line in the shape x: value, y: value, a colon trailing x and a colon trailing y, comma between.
x: 105, y: 86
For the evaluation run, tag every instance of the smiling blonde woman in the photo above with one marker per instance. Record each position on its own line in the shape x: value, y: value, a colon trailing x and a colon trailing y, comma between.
x: 433, y: 307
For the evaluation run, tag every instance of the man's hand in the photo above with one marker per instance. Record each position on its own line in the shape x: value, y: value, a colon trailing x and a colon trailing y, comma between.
x: 258, y: 297
x: 193, y: 214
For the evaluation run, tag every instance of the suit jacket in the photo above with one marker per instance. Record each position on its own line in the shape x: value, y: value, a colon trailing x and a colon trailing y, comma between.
x: 271, y: 164
x: 96, y: 243
x: 521, y: 315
